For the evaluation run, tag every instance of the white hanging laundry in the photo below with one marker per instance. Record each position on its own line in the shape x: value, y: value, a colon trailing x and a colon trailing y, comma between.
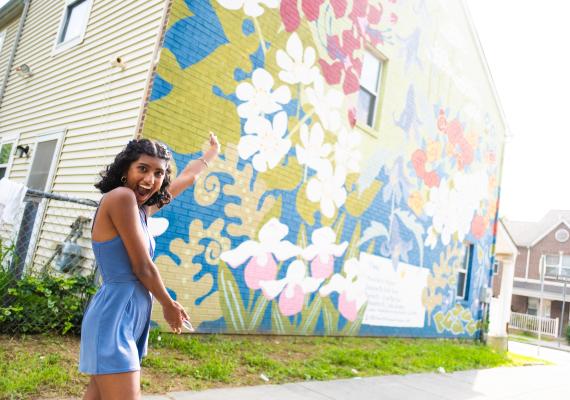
x: 11, y: 199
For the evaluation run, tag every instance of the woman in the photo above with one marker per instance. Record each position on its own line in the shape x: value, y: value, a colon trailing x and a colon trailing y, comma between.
x: 115, y: 327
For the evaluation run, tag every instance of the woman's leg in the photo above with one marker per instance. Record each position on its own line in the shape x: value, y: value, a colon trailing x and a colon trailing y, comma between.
x: 92, y: 392
x: 123, y: 386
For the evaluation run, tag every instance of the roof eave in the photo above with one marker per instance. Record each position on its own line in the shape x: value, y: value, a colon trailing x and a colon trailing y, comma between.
x: 10, y: 10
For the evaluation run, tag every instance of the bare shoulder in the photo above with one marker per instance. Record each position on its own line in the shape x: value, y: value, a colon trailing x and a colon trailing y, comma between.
x: 121, y: 195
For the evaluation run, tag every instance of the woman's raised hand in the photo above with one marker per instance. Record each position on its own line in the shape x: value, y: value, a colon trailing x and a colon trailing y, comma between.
x: 214, y: 143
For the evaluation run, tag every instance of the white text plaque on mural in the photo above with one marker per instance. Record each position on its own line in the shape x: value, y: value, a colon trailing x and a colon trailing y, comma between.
x: 394, y: 296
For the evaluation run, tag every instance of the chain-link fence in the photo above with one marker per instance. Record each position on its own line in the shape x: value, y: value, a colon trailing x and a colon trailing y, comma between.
x: 47, y: 268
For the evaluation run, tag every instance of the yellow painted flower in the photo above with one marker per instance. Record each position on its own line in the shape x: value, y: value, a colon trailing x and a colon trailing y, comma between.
x: 416, y: 202
x: 433, y: 150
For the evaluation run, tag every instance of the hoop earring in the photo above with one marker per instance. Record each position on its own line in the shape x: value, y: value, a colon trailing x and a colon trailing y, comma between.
x: 124, y: 180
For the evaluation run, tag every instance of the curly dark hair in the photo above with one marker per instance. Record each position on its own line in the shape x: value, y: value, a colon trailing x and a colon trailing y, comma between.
x: 111, y: 176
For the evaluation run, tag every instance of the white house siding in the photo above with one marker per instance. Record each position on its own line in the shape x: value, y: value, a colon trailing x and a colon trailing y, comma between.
x: 80, y: 93
x: 9, y: 36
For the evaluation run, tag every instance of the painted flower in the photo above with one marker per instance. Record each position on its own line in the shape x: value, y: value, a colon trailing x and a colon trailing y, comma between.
x: 431, y: 238
x: 398, y: 185
x: 326, y: 103
x: 350, y: 287
x: 416, y: 202
x: 328, y: 189
x: 297, y: 65
x: 258, y: 97
x: 321, y: 252
x: 262, y: 254
x: 312, y: 151
x: 344, y: 61
x: 347, y: 152
x: 267, y: 145
x: 453, y: 204
x: 291, y: 289
x: 251, y: 8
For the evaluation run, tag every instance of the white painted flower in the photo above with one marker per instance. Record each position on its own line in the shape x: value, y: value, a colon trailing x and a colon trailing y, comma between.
x: 261, y: 265
x: 431, y: 239
x: 321, y: 252
x: 326, y: 102
x: 453, y: 204
x: 313, y: 151
x: 267, y: 145
x: 328, y: 189
x: 351, y: 288
x: 347, y: 151
x: 157, y: 226
x: 297, y: 64
x: 258, y: 96
x: 291, y: 289
x: 251, y: 8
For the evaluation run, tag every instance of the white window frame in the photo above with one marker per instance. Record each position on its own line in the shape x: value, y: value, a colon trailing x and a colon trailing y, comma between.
x: 558, y: 265
x: 465, y: 268
x: 60, y: 47
x: 53, y: 135
x: 9, y: 138
x: 2, y: 39
x: 378, y: 92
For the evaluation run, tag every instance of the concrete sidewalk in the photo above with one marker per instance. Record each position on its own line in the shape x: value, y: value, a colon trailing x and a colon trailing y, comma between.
x: 545, y: 382
x: 522, y: 383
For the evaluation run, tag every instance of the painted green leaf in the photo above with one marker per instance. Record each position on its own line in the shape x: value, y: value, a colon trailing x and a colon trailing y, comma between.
x: 232, y: 304
x: 284, y: 177
x: 306, y: 208
x: 330, y: 317
x: 281, y: 323
x: 310, y: 316
x: 256, y: 316
x: 353, y: 327
x: 357, y: 203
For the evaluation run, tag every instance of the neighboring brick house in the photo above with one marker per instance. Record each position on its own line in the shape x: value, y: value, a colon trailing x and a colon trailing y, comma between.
x: 548, y: 237
x: 503, y: 272
x: 362, y: 142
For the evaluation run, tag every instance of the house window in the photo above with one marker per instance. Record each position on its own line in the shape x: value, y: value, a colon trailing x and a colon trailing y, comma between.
x: 370, y: 83
x: 7, y: 145
x: 532, y: 306
x: 463, y: 273
x: 73, y: 23
x: 557, y: 265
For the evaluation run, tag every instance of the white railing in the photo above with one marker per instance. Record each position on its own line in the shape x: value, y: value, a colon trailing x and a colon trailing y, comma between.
x: 530, y: 323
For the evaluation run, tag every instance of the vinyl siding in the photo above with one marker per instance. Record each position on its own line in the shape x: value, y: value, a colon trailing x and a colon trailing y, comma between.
x: 80, y: 93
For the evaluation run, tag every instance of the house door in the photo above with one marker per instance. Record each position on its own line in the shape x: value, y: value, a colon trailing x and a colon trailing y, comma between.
x: 40, y: 178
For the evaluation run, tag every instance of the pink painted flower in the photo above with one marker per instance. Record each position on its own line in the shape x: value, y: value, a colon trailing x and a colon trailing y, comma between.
x: 478, y: 227
x: 350, y: 287
x: 291, y: 289
x: 261, y: 255
x: 321, y: 252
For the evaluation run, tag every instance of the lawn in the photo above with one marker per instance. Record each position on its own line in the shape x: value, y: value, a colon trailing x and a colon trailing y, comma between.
x: 46, y: 366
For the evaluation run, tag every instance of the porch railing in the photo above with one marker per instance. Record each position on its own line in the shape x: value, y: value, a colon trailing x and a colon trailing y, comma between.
x: 530, y: 323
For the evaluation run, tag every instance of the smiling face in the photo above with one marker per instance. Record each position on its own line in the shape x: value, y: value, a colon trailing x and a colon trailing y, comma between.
x: 145, y: 177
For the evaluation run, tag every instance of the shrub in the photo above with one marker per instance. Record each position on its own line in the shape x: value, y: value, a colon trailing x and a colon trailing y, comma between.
x: 568, y: 333
x: 44, y: 303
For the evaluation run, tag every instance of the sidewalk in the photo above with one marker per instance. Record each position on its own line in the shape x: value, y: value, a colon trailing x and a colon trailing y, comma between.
x: 548, y: 382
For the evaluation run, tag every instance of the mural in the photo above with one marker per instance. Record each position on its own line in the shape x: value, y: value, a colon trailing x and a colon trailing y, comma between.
x: 310, y: 222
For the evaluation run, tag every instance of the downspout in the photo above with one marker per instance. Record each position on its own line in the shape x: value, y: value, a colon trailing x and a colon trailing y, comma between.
x: 527, y: 262
x: 14, y: 49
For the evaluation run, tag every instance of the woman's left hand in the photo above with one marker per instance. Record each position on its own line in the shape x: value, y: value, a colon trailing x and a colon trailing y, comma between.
x: 214, y: 143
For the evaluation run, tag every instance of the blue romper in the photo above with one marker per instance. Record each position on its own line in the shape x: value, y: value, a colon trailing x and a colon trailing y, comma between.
x: 114, y: 332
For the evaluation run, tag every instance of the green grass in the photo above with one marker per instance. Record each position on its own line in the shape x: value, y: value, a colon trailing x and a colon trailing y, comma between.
x: 47, y: 365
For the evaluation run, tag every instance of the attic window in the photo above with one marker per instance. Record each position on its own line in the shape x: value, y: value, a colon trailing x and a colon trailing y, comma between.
x: 562, y: 235
x: 73, y: 23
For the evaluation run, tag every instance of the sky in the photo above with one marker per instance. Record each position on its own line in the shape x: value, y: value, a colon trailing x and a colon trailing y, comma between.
x: 526, y: 46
